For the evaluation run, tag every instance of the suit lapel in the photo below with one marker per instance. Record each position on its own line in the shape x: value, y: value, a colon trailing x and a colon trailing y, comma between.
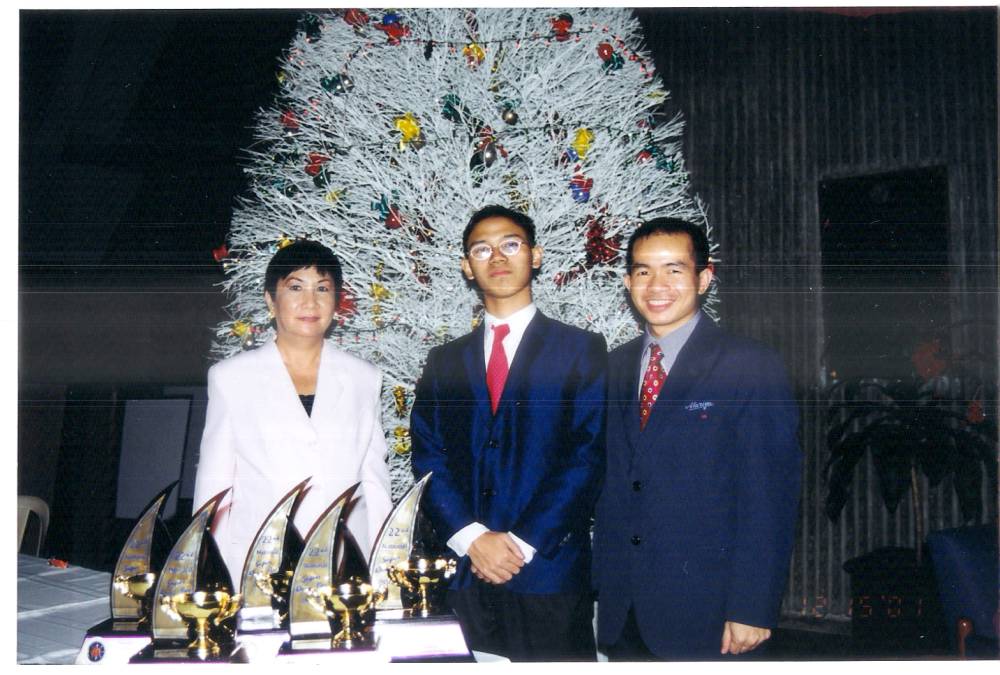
x: 693, y: 363
x: 626, y: 391
x: 329, y: 384
x: 287, y: 406
x: 474, y: 359
x: 530, y: 347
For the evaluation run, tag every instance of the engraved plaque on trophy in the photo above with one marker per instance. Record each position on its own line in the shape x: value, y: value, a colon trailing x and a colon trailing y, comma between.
x: 193, y: 597
x: 270, y: 563
x: 115, y: 640
x: 315, y: 569
x: 395, y: 542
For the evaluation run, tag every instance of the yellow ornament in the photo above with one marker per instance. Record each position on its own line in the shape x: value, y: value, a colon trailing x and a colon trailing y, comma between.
x: 408, y: 126
x: 474, y: 54
x: 379, y: 292
x: 402, y: 445
x: 399, y: 397
x: 379, y: 268
x: 581, y: 142
x: 241, y: 328
x: 283, y: 242
x: 281, y: 76
x: 333, y: 196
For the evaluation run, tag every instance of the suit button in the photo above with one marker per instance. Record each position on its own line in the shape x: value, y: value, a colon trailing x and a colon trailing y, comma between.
x: 636, y: 540
x: 489, y: 492
x: 493, y: 444
x: 636, y: 485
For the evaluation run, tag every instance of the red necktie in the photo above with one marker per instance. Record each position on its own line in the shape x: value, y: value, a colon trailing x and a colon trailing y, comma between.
x: 496, y: 369
x: 651, y: 383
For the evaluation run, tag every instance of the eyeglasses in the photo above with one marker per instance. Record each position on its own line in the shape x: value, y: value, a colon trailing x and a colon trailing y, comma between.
x: 508, y: 247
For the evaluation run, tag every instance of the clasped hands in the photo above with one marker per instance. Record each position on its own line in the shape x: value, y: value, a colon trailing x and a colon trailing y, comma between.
x: 495, y: 557
x: 739, y: 638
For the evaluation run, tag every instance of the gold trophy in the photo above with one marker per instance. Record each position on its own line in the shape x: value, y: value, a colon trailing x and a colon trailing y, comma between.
x: 345, y: 604
x: 137, y: 587
x: 276, y: 586
x: 423, y: 578
x: 202, y: 609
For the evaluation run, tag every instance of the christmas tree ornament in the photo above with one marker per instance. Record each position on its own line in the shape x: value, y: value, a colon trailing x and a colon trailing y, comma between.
x: 605, y: 51
x: 220, y: 252
x: 392, y: 26
x: 289, y: 120
x: 561, y: 25
x: 402, y: 444
x: 393, y: 220
x: 333, y: 196
x: 355, y: 18
x: 346, y: 84
x: 330, y: 83
x: 284, y: 241
x: 581, y: 142
x: 509, y: 116
x: 428, y: 50
x: 315, y: 163
x: 580, y: 187
x: 399, y: 399
x: 312, y: 26
x: 474, y: 54
x: 408, y: 126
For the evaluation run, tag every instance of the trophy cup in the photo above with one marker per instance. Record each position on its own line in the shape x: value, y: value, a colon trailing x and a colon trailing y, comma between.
x: 270, y: 562
x: 200, y: 609
x: 346, y: 602
x: 423, y: 577
x: 193, y: 596
x: 128, y: 629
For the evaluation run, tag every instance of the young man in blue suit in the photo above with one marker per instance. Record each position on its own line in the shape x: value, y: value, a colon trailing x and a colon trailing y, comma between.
x: 696, y: 519
x: 510, y: 418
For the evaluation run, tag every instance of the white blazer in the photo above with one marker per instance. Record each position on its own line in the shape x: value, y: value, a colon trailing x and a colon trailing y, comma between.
x: 259, y: 440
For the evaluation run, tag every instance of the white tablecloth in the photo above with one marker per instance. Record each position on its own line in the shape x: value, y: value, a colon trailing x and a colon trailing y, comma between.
x: 55, y: 607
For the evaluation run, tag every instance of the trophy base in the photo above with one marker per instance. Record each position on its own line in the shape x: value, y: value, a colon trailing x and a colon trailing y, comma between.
x: 436, y: 638
x: 111, y: 643
x: 318, y: 651
x: 258, y: 619
x: 178, y: 652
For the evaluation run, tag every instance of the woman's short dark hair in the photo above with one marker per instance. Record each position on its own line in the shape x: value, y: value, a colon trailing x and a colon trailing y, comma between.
x: 303, y: 254
x: 493, y: 211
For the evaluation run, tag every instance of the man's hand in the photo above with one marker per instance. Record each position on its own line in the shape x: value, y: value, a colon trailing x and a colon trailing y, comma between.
x: 738, y: 638
x: 495, y: 557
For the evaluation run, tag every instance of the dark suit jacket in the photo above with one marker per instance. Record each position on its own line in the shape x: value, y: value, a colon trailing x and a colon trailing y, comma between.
x: 696, y: 518
x: 532, y: 469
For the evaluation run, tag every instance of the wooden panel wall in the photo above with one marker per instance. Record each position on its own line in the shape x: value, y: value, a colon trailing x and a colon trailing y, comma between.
x: 777, y: 100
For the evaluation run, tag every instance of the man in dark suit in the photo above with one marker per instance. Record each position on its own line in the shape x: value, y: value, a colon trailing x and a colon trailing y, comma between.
x: 696, y: 519
x: 510, y: 418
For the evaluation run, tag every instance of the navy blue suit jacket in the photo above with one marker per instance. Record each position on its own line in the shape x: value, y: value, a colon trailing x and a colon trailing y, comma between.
x: 696, y: 519
x: 532, y: 469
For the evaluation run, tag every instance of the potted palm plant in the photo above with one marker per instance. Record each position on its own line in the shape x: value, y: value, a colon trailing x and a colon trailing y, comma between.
x: 933, y: 423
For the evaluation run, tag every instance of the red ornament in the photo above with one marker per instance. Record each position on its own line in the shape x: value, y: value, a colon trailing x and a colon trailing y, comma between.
x: 346, y: 304
x: 220, y: 253
x: 600, y: 249
x: 355, y: 17
x: 644, y: 156
x: 394, y: 31
x: 393, y: 220
x: 561, y: 25
x: 605, y: 51
x: 316, y: 161
x: 289, y: 121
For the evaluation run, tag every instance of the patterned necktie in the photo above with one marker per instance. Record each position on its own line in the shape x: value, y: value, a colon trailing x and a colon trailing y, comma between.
x: 496, y: 369
x: 651, y: 383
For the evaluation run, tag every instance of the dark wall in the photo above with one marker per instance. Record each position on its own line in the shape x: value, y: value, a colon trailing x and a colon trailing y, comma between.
x: 778, y: 100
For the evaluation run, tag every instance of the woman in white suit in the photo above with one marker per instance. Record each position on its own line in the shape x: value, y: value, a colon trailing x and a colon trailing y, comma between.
x: 295, y: 407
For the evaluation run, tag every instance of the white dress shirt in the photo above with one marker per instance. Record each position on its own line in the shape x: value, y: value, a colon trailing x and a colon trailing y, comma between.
x: 518, y: 322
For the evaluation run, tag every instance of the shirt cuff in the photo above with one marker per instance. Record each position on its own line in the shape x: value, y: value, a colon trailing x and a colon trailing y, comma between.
x: 527, y: 550
x: 462, y: 540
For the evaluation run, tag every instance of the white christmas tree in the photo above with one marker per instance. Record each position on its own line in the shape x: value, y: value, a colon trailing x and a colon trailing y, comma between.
x: 393, y: 127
